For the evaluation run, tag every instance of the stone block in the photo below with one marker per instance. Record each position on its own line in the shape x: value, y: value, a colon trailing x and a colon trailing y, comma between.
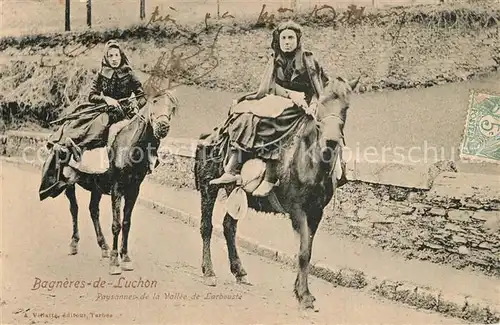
x: 459, y: 239
x: 463, y: 250
x: 459, y: 215
x: 472, y: 205
x: 413, y: 197
x: 392, y: 173
x: 492, y: 225
x: 421, y: 206
x: 485, y: 215
x: 437, y: 212
x: 465, y: 185
x: 485, y: 245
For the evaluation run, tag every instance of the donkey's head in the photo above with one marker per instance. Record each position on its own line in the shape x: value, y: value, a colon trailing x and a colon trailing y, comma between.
x: 332, y: 109
x: 159, y: 112
x: 331, y: 115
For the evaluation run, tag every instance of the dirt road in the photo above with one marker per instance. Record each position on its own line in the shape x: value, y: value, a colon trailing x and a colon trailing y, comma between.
x: 166, y: 254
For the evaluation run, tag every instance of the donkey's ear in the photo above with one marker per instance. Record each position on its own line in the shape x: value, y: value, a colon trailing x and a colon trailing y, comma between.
x: 354, y: 83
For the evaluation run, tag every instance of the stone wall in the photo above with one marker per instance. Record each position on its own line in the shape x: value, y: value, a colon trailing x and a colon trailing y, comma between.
x: 453, y: 228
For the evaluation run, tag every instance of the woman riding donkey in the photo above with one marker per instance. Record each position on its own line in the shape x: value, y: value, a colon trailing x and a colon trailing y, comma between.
x: 118, y: 89
x: 292, y: 73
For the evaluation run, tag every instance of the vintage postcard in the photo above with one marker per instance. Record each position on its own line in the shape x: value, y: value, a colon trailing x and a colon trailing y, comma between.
x: 250, y: 162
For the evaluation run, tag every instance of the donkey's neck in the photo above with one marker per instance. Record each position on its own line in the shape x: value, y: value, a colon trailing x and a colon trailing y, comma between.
x: 133, y: 135
x: 302, y: 157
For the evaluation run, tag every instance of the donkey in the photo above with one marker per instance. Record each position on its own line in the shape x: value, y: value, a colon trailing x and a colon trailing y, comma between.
x: 307, y: 181
x: 126, y: 149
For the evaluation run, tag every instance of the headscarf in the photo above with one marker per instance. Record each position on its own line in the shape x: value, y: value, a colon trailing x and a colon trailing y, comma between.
x: 106, y: 69
x: 279, y: 59
x: 286, y: 60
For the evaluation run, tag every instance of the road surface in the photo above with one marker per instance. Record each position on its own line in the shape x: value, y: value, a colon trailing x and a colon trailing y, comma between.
x: 35, y: 238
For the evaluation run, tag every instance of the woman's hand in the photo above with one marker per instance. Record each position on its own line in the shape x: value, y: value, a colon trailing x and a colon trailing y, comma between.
x: 298, y: 99
x: 111, y: 102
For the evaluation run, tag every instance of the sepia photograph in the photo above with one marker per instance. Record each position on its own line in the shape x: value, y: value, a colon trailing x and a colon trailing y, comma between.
x: 250, y: 162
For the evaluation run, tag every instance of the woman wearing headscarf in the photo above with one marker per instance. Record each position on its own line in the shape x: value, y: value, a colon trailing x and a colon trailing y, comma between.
x: 115, y: 81
x: 289, y: 75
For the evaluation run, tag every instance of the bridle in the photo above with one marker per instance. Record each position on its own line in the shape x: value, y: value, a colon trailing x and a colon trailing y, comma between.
x: 147, y: 116
x: 320, y: 88
x: 319, y: 121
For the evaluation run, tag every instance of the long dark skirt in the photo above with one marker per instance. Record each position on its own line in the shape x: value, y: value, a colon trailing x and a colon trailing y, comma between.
x: 89, y: 131
x: 252, y: 133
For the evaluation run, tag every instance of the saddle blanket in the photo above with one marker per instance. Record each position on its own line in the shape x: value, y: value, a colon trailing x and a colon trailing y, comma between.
x: 268, y: 106
x: 96, y: 161
x: 93, y: 161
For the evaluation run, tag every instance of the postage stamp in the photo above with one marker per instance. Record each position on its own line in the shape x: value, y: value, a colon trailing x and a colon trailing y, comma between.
x: 481, y: 141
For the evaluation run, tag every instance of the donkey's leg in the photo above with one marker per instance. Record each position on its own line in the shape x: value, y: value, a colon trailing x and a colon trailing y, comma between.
x: 230, y: 226
x: 208, y: 198
x: 116, y: 199
x: 131, y: 195
x: 73, y: 208
x: 95, y: 199
x: 300, y: 223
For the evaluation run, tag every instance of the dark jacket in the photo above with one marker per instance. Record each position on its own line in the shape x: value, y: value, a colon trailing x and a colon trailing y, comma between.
x: 299, y: 78
x: 118, y: 85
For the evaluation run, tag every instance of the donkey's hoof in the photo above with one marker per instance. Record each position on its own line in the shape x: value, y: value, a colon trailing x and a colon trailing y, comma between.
x: 243, y: 280
x: 105, y: 253
x: 210, y: 281
x: 307, y: 302
x: 127, y: 266
x: 73, y: 249
x: 115, y: 269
